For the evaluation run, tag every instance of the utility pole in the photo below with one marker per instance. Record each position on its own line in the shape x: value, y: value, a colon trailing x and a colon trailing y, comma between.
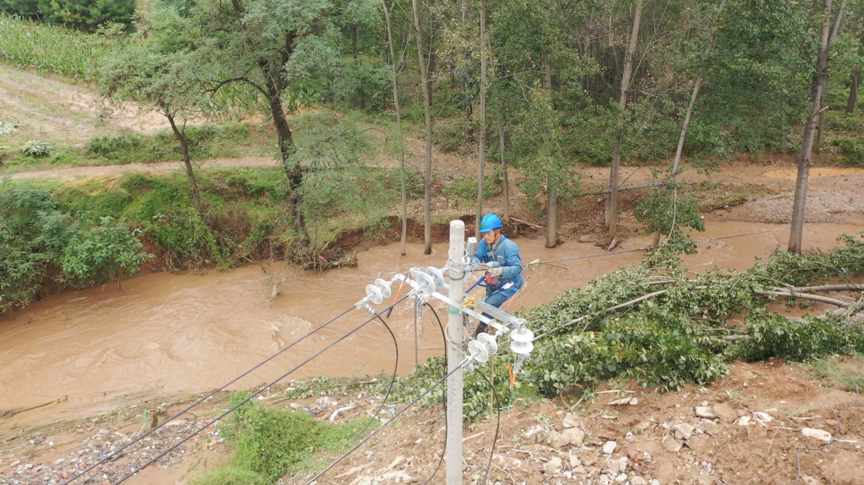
x: 454, y: 354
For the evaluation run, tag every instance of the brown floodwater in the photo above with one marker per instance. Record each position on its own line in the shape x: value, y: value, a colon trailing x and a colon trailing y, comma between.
x: 164, y: 334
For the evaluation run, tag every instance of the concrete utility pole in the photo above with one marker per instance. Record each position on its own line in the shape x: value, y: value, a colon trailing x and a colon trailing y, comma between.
x: 454, y: 355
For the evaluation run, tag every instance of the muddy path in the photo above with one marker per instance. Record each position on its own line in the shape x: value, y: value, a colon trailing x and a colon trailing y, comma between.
x: 116, y: 171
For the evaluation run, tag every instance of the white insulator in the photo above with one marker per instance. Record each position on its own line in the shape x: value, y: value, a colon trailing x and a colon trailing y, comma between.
x: 478, y: 351
x: 489, y: 342
x: 374, y: 294
x: 425, y: 284
x: 384, y: 286
x: 436, y: 275
x: 521, y: 341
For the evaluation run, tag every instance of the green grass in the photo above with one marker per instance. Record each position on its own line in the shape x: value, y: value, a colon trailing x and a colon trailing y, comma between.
x: 272, y: 443
x: 52, y: 49
x: 837, y: 372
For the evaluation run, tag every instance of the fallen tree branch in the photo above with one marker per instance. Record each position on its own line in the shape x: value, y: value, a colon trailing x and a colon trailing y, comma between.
x: 847, y: 287
x: 622, y: 189
x: 520, y: 221
x: 803, y: 296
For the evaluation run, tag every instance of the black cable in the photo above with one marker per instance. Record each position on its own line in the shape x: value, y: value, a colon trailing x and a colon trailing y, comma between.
x: 116, y: 454
x: 389, y: 389
x: 443, y: 402
x: 187, y: 438
x: 497, y: 426
x: 401, y: 411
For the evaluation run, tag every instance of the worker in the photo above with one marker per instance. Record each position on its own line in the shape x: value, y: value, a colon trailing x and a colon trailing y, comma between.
x: 502, y: 261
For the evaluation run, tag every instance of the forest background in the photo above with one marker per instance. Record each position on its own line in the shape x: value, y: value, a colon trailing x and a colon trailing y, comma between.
x: 544, y: 87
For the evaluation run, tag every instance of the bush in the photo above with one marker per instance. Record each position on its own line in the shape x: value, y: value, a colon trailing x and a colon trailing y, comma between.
x: 852, y: 148
x: 37, y: 148
x: 80, y: 14
x: 105, y: 252
x: 772, y: 335
x: 465, y: 189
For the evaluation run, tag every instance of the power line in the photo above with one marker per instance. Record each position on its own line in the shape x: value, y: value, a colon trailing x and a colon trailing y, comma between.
x: 117, y: 453
x: 384, y: 425
x: 187, y: 438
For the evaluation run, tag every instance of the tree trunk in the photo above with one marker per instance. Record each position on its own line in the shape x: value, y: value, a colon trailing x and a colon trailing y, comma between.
x: 853, y: 92
x: 398, y: 129
x: 184, y: 148
x: 820, y: 130
x: 552, y: 217
x: 612, y: 203
x: 505, y: 181
x: 482, y: 135
x: 819, y: 81
x: 683, y: 137
x: 427, y: 109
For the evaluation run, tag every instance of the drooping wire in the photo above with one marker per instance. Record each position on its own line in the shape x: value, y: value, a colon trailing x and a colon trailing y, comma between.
x: 249, y: 398
x: 115, y: 454
x: 384, y: 425
x: 443, y: 400
x: 497, y: 425
x: 389, y: 388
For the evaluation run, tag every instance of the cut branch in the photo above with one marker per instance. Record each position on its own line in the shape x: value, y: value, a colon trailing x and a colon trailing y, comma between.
x: 803, y: 296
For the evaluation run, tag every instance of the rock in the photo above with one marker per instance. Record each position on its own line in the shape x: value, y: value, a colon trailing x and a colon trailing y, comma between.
x: 622, y: 464
x: 819, y: 434
x: 671, y: 444
x: 743, y: 421
x: 574, y: 462
x: 638, y: 481
x: 654, y: 482
x: 609, y: 447
x: 588, y: 460
x: 59, y: 461
x: 621, y: 478
x: 104, y: 431
x: 705, y: 480
x: 553, y: 465
x: 15, y: 463
x: 684, y: 430
x: 634, y: 401
x: 725, y: 412
x: 808, y: 480
x: 579, y: 470
x: 574, y: 435
x: 704, y: 412
x: 586, y: 239
x: 570, y: 421
x: 557, y: 440
x: 630, y: 437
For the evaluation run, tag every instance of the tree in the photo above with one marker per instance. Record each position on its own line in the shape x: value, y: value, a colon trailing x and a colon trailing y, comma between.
x: 158, y: 73
x: 828, y: 33
x: 481, y: 137
x: 103, y: 253
x: 612, y: 202
x: 540, y: 142
x: 401, y: 140
x: 272, y: 46
x: 427, y: 118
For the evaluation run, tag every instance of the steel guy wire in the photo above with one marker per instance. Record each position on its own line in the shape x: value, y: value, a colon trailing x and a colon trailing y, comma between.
x: 195, y: 433
x: 117, y: 453
x: 462, y: 364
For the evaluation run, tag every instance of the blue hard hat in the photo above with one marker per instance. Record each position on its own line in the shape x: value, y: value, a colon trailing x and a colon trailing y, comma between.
x: 490, y: 222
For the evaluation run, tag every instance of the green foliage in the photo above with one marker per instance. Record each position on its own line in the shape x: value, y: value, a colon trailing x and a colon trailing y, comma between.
x: 852, y: 148
x: 669, y: 210
x: 80, y: 14
x: 52, y: 49
x: 33, y: 233
x: 272, y: 443
x: 204, y: 141
x: 465, y: 189
x: 6, y: 127
x: 807, y: 338
x: 37, y: 148
x: 103, y: 253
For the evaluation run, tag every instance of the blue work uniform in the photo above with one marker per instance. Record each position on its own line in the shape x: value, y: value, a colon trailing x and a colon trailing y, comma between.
x: 506, y: 253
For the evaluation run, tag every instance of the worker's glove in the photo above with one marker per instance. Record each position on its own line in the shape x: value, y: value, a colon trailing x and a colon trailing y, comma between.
x: 493, y: 264
x: 495, y: 271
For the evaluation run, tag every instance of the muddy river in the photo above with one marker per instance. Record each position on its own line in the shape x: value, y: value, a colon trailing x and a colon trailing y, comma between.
x: 164, y: 334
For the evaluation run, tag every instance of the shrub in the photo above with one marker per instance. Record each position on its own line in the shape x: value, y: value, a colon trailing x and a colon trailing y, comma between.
x: 105, y: 252
x: 37, y: 148
x: 852, y: 148
x: 772, y: 335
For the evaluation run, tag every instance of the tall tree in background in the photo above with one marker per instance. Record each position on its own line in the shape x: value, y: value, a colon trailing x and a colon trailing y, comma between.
x: 481, y: 135
x: 612, y: 203
x: 427, y: 112
x: 827, y: 35
x: 157, y: 73
x: 401, y: 140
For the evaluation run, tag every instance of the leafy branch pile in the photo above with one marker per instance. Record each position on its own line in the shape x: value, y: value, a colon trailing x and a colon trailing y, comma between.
x: 688, y: 331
